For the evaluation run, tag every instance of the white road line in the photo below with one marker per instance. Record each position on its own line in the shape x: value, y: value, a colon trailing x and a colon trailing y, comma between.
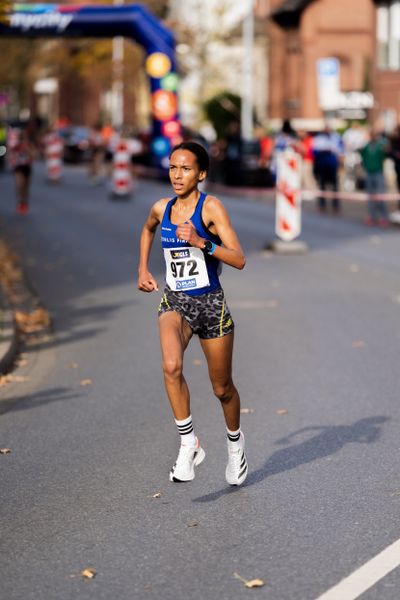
x: 366, y: 576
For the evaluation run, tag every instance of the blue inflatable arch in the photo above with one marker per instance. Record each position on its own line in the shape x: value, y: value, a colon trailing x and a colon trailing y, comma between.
x: 132, y: 21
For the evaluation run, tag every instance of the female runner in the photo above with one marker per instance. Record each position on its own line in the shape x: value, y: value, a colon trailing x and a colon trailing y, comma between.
x: 196, y: 236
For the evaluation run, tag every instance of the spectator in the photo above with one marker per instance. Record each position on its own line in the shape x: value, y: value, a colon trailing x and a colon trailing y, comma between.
x: 232, y: 162
x: 305, y: 148
x: 373, y: 155
x: 97, y: 146
x: 354, y: 138
x: 327, y: 150
x: 395, y: 155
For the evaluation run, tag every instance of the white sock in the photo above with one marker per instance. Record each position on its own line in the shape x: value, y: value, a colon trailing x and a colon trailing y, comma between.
x: 185, y: 429
x: 234, y: 441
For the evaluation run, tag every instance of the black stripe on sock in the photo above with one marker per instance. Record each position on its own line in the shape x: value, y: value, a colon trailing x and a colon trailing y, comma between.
x: 234, y: 438
x: 185, y: 429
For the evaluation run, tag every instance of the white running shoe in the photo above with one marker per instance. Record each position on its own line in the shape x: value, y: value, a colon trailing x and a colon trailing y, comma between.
x: 237, y: 467
x: 189, y: 457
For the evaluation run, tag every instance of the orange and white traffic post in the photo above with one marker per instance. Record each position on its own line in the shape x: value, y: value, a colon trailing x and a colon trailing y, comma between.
x: 288, y: 195
x: 53, y: 156
x: 121, y: 179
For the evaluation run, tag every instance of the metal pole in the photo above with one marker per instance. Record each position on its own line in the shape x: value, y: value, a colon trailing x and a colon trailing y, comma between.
x: 247, y: 73
x: 117, y: 106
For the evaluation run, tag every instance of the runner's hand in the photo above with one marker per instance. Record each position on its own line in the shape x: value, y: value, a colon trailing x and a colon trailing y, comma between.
x: 147, y: 283
x: 186, y: 231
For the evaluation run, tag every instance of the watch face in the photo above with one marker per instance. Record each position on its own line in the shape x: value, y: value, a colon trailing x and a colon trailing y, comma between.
x: 208, y: 245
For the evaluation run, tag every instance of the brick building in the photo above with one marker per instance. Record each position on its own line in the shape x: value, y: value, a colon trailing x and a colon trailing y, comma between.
x: 322, y: 55
x: 387, y: 64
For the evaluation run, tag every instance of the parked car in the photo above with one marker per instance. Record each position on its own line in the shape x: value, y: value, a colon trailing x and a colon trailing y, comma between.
x: 76, y: 143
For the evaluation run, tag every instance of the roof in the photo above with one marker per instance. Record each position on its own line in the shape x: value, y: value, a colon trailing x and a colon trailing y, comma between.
x: 288, y: 14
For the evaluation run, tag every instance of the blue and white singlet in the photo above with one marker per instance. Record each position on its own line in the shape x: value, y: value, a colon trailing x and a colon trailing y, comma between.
x: 189, y: 269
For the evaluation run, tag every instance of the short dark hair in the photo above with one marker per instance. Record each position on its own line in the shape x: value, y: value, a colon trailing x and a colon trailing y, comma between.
x: 198, y: 150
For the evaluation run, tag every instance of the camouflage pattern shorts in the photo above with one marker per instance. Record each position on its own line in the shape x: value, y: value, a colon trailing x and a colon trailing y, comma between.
x: 207, y: 315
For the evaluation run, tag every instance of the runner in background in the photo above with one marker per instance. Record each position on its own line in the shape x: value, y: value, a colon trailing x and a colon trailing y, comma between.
x: 97, y: 146
x: 21, y: 159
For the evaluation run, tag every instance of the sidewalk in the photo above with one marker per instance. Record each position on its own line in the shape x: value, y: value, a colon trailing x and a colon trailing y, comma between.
x: 21, y: 312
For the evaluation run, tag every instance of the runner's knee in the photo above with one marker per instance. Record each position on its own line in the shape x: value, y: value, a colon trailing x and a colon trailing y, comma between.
x: 172, y: 369
x: 224, y: 391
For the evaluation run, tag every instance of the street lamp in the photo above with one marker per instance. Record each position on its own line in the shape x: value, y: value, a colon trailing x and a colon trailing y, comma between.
x: 117, y: 104
x: 246, y: 117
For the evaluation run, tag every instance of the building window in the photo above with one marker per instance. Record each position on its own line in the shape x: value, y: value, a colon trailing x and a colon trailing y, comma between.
x: 382, y: 34
x: 388, y: 36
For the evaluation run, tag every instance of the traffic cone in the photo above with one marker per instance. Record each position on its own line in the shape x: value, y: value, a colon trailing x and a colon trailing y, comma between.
x: 121, y: 179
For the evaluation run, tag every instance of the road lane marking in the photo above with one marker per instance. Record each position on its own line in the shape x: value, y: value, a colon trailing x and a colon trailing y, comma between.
x: 366, y: 576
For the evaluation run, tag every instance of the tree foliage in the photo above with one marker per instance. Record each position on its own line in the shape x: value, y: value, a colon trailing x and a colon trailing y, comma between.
x: 221, y: 110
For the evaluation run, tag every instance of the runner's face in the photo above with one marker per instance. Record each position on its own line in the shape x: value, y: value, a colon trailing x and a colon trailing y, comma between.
x: 184, y: 172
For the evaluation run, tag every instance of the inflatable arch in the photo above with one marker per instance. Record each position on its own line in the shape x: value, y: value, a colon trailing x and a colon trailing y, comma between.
x: 133, y: 21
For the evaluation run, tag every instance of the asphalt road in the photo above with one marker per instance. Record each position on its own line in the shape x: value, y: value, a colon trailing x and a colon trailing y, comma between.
x: 316, y: 363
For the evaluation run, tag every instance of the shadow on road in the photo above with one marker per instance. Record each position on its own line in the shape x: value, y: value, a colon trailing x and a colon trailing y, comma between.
x: 328, y: 441
x: 38, y: 399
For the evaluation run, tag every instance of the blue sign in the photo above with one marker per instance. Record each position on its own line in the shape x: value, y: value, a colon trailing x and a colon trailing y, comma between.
x: 328, y: 67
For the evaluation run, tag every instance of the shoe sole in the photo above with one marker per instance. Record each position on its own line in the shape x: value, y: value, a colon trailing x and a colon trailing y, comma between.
x: 197, y: 461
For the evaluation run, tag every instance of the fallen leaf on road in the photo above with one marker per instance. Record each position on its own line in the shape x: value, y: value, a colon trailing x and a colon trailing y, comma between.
x: 358, y: 344
x: 249, y: 583
x: 157, y: 495
x: 192, y: 524
x: 5, y: 450
x: 282, y: 411
x: 254, y: 583
x: 22, y: 362
x: 197, y: 361
x: 30, y: 322
x: 354, y: 268
x: 246, y: 411
x: 86, y: 382
x: 4, y: 379
x: 73, y: 365
x: 89, y: 573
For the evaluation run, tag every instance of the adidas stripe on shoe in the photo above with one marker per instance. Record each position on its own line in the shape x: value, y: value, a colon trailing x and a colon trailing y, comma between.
x: 188, y: 458
x: 237, y: 467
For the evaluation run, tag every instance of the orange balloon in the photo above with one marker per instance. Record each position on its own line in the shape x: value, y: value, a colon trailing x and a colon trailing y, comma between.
x: 158, y: 64
x: 164, y: 105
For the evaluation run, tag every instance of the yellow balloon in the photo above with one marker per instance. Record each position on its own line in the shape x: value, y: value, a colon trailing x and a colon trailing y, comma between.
x: 158, y: 64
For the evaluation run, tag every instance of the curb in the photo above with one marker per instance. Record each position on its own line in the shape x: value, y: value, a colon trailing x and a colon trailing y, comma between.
x: 8, y: 336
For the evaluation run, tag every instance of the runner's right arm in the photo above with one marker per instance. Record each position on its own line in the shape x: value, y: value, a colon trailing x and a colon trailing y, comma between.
x: 146, y: 281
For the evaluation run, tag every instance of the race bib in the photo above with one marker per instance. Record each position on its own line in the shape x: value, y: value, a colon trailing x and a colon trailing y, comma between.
x: 186, y: 268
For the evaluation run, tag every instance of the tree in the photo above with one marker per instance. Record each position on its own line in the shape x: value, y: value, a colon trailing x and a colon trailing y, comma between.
x: 221, y: 110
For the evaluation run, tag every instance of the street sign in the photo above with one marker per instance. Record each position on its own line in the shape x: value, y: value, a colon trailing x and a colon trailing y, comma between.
x: 328, y: 73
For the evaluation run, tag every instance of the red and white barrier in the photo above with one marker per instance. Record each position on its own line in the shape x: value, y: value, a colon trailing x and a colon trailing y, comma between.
x: 288, y: 195
x: 53, y: 156
x: 121, y: 179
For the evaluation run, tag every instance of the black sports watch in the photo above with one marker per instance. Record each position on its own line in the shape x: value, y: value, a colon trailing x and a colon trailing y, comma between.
x: 209, y: 246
